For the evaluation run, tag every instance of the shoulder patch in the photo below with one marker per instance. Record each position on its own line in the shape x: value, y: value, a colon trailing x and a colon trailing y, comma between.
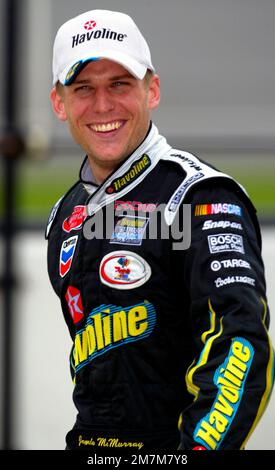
x: 195, y: 170
x: 52, y: 217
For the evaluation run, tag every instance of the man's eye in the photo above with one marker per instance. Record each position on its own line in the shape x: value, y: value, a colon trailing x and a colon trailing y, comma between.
x: 119, y: 84
x: 82, y: 88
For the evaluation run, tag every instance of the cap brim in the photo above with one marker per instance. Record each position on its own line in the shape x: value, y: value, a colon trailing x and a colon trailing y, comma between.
x: 134, y: 67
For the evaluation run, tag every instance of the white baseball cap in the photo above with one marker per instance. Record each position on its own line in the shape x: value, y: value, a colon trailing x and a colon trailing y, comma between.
x: 95, y: 35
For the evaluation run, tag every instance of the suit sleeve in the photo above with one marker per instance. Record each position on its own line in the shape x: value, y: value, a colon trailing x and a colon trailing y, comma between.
x: 231, y: 375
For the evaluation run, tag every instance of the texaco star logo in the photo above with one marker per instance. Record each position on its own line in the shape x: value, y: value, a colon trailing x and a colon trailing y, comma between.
x: 73, y: 297
x: 90, y: 24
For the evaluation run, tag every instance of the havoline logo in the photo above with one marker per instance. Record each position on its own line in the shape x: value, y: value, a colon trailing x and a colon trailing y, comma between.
x: 98, y: 34
x: 136, y: 169
x: 112, y: 326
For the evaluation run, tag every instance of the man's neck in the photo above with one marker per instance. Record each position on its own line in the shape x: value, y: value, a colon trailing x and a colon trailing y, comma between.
x: 100, y: 173
x: 101, y: 170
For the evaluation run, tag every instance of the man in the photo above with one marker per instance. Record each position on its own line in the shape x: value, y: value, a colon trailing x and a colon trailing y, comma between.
x: 170, y: 343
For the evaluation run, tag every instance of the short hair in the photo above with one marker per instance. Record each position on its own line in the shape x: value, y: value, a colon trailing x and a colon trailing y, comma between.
x: 147, y: 79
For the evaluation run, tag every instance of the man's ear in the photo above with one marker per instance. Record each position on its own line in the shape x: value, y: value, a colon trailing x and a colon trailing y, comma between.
x: 154, y: 92
x: 58, y: 105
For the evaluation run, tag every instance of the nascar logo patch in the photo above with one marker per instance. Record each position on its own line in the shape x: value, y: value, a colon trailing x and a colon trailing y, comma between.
x: 66, y: 255
x: 218, y: 208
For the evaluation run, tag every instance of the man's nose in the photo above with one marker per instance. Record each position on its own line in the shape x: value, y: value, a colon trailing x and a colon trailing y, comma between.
x: 103, y: 102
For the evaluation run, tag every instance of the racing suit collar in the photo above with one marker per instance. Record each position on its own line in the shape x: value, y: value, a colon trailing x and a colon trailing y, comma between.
x: 86, y: 174
x: 128, y: 175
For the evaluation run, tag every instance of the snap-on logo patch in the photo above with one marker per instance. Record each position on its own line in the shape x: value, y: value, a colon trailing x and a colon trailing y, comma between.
x: 124, y: 270
x: 76, y: 219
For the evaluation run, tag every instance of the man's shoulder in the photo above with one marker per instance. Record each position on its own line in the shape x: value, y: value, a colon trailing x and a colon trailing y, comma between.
x: 201, y: 184
x: 191, y: 164
x: 200, y: 176
x: 195, y: 174
x: 72, y: 194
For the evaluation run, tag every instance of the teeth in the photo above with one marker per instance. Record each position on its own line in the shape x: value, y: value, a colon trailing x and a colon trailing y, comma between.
x: 110, y: 126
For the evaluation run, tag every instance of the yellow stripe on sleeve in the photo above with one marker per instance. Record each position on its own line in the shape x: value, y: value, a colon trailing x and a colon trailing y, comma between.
x: 191, y: 387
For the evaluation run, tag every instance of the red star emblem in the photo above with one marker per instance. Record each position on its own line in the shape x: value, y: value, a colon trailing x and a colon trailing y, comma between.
x: 73, y: 297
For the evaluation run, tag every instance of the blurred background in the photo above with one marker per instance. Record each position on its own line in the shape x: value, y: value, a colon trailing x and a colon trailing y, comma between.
x: 216, y: 60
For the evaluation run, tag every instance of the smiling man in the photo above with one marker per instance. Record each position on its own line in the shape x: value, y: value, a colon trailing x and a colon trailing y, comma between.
x: 108, y: 111
x: 170, y: 343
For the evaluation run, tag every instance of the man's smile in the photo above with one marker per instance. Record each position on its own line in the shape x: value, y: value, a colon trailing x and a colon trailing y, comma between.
x: 106, y: 127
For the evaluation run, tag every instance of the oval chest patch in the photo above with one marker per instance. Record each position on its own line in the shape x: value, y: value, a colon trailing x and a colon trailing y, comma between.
x: 124, y: 270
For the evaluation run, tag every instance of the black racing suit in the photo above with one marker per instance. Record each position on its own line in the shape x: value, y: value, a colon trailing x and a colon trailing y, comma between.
x: 171, y: 348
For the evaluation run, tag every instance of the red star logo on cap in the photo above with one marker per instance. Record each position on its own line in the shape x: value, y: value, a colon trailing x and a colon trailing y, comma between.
x: 90, y: 24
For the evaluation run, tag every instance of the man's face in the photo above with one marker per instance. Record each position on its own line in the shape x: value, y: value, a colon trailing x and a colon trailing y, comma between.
x: 108, y: 110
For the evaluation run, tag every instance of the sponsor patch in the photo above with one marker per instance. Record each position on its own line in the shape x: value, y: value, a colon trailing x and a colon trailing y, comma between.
x: 129, y: 230
x: 229, y: 378
x: 229, y: 263
x: 233, y: 279
x: 225, y: 242
x: 75, y: 220
x: 136, y: 169
x: 187, y: 160
x: 210, y: 224
x: 93, y: 34
x: 90, y: 25
x: 66, y: 255
x: 74, y: 301
x: 177, y: 198
x: 124, y: 270
x: 112, y: 326
x: 217, y: 208
x: 135, y: 206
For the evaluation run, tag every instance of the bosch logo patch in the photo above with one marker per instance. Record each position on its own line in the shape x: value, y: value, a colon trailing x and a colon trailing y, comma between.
x: 224, y: 242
